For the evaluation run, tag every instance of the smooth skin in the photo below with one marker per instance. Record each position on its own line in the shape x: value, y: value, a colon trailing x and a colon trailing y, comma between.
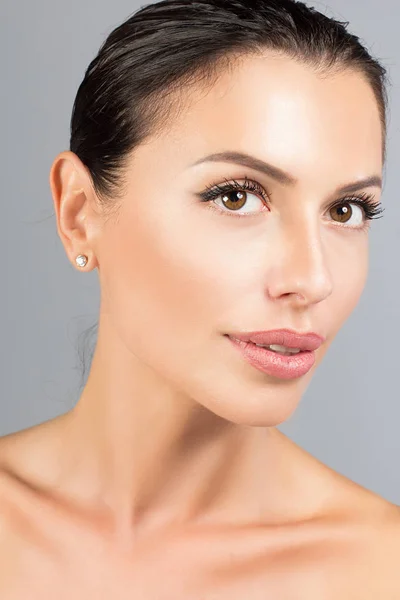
x: 169, y: 478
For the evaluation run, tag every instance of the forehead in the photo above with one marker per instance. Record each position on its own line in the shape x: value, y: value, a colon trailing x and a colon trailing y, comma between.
x: 285, y: 112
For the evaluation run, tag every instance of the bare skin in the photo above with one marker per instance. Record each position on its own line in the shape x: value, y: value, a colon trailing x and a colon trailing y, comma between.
x: 169, y: 478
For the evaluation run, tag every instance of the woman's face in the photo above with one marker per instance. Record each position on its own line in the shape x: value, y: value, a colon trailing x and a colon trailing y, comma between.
x: 178, y: 274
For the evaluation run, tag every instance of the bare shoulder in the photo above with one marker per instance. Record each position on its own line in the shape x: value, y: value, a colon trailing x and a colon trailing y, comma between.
x: 27, y: 462
x: 26, y: 465
x: 335, y: 498
x: 357, y: 531
x: 373, y: 553
x: 30, y: 451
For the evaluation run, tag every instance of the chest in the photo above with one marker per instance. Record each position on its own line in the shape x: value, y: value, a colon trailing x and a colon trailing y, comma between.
x: 203, y: 568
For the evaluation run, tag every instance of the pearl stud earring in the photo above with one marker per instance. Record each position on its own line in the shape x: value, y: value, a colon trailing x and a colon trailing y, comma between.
x: 81, y: 260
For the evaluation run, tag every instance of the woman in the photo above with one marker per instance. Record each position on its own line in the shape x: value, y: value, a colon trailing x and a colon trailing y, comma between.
x: 224, y: 169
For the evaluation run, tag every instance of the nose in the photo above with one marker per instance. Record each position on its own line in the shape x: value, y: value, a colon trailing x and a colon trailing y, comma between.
x: 299, y: 271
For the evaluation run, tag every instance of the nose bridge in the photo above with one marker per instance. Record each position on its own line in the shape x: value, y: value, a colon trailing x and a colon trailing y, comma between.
x: 301, y: 267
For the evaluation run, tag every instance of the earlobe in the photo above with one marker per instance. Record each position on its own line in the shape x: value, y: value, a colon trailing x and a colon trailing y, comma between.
x: 72, y: 197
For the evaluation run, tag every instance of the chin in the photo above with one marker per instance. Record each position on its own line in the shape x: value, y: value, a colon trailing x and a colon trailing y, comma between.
x: 265, y: 403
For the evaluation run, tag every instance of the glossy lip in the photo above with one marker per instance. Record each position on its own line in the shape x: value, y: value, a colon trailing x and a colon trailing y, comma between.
x: 275, y: 364
x: 284, y: 337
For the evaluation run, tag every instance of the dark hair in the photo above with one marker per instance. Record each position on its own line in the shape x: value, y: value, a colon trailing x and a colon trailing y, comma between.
x: 132, y: 87
x: 136, y: 84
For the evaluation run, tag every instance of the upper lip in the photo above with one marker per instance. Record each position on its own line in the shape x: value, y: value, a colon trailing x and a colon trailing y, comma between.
x: 282, y: 337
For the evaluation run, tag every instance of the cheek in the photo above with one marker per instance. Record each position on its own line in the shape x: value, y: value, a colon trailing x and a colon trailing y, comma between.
x: 350, y: 271
x: 162, y: 283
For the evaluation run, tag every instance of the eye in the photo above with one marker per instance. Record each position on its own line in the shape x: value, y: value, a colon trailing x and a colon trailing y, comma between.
x: 343, y: 212
x: 231, y: 197
x: 235, y: 200
x: 361, y: 207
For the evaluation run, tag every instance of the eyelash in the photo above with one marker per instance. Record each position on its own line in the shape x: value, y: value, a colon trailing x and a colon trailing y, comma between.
x: 371, y: 209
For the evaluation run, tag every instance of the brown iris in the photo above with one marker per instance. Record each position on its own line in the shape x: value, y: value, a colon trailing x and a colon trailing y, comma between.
x: 234, y: 199
x: 343, y: 211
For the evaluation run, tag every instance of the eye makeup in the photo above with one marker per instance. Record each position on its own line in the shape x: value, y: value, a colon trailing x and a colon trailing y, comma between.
x: 364, y: 200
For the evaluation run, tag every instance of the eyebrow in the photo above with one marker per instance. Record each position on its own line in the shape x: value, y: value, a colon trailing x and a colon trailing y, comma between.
x: 278, y: 174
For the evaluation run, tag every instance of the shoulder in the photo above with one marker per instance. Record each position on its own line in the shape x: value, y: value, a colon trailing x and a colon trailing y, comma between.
x: 376, y: 555
x: 366, y: 527
x: 332, y: 498
x: 328, y: 491
x: 372, y: 515
x: 358, y: 551
x: 26, y: 465
x: 31, y: 454
x: 361, y: 537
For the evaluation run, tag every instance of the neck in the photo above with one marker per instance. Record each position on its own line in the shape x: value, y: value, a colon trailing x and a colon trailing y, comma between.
x: 150, y: 456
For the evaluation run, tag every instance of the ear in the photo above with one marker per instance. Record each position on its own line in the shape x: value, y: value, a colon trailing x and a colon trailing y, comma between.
x: 76, y: 207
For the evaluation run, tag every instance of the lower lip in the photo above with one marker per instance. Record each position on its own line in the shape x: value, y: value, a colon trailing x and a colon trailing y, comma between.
x: 274, y: 364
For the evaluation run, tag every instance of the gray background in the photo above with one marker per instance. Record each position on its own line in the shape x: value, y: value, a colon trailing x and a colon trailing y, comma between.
x: 349, y: 416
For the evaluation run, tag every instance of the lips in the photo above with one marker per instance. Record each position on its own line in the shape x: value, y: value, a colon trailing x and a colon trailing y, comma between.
x: 283, y: 337
x: 275, y: 364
